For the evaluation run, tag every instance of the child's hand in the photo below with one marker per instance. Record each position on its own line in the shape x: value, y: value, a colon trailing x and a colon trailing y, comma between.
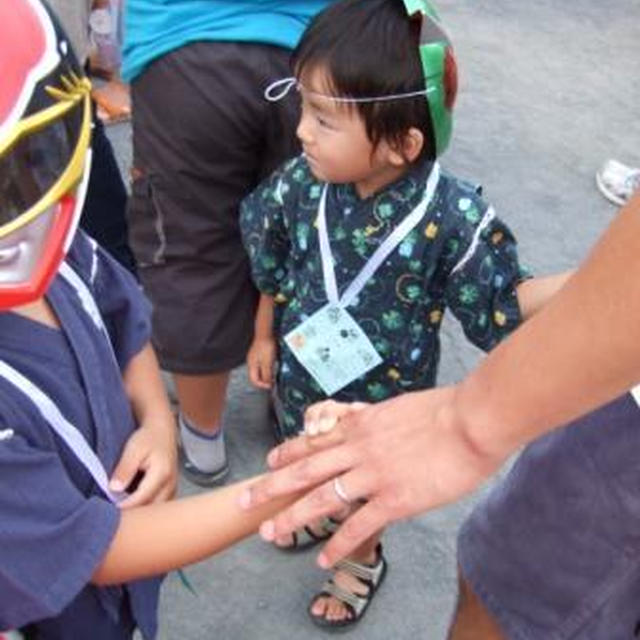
x: 260, y: 361
x: 150, y: 452
x: 323, y: 416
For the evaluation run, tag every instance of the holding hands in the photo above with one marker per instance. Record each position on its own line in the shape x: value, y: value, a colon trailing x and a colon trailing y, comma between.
x: 403, y: 456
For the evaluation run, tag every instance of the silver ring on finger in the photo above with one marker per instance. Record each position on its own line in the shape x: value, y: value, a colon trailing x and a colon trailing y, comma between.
x: 341, y: 493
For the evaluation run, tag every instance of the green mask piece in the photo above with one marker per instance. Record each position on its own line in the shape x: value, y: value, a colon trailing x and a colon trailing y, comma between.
x: 438, y: 64
x: 421, y: 6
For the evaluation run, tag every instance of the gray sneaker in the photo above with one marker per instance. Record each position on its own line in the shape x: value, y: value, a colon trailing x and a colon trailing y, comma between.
x: 205, y: 478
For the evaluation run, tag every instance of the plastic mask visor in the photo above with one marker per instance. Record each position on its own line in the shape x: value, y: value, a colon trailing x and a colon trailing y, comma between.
x: 43, y: 158
x: 438, y: 64
x: 31, y: 261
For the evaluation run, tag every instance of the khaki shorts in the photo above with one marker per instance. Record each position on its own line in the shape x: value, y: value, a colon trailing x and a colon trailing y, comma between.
x: 203, y: 137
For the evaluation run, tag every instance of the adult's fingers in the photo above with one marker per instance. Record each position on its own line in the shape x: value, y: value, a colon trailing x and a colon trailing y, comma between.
x: 302, y: 447
x: 367, y: 521
x: 324, y: 500
x: 301, y: 475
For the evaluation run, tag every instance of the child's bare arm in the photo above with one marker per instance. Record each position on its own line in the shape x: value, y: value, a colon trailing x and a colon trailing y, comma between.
x: 262, y: 353
x: 156, y: 538
x: 534, y: 293
x: 151, y: 449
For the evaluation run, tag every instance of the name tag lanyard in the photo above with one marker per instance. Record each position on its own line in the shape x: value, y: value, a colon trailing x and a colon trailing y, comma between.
x: 72, y: 437
x: 380, y: 254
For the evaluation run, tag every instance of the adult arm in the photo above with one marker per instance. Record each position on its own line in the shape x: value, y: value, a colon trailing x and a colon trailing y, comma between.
x: 425, y: 449
x: 534, y: 293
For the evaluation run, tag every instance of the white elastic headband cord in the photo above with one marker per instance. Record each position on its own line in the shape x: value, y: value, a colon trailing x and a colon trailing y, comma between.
x: 284, y: 85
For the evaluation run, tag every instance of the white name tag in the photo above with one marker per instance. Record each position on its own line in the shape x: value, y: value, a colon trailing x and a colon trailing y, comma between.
x: 333, y: 348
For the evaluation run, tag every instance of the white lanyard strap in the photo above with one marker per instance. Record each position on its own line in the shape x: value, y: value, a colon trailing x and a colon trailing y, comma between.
x: 380, y: 254
x: 49, y: 410
x: 86, y: 299
x: 69, y: 434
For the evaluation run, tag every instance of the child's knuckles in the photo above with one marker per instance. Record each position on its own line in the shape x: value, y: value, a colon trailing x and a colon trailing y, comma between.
x: 311, y: 414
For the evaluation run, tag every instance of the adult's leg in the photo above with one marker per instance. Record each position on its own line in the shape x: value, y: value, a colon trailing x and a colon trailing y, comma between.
x: 201, y: 130
x: 553, y: 551
x: 471, y: 620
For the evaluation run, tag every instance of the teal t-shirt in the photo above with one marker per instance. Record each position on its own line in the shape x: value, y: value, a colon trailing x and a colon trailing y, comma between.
x: 155, y: 27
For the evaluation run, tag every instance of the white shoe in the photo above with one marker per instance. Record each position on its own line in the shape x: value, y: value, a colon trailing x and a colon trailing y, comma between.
x: 617, y: 182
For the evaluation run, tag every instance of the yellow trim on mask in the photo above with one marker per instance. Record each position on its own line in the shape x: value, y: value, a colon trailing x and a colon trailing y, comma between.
x: 75, y: 91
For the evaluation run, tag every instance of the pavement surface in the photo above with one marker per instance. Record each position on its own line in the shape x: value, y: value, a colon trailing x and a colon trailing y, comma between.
x: 549, y: 91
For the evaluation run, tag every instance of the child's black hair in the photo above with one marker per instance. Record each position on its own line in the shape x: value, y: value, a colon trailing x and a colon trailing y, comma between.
x: 370, y: 48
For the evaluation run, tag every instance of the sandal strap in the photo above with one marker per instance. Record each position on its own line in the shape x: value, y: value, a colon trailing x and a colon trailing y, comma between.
x: 330, y: 525
x: 326, y: 528
x: 368, y: 573
x: 306, y: 537
x: 356, y: 602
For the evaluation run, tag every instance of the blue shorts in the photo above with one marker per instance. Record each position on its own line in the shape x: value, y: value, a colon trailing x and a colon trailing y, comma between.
x: 553, y: 552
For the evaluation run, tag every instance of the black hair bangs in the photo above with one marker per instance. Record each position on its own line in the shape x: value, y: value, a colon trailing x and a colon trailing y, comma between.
x: 369, y: 49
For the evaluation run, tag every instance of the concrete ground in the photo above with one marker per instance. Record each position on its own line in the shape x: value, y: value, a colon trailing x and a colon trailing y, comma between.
x: 549, y: 90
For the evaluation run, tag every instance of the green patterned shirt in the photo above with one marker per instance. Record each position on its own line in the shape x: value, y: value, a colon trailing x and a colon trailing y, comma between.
x: 460, y: 256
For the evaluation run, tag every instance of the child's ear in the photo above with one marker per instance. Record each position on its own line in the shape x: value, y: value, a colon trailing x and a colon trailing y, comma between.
x: 412, y: 144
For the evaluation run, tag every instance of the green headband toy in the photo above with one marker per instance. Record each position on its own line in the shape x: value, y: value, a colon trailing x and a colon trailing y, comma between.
x: 439, y: 66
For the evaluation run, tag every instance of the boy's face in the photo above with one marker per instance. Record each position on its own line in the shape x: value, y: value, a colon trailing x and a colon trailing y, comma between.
x: 335, y: 141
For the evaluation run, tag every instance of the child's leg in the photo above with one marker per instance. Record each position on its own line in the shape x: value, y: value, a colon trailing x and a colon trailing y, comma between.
x: 202, y: 400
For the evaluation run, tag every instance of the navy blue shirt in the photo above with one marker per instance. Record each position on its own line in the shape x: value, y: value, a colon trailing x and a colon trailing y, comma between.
x: 55, y: 523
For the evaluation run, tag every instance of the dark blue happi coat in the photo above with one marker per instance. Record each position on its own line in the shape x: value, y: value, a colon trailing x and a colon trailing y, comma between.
x: 55, y: 524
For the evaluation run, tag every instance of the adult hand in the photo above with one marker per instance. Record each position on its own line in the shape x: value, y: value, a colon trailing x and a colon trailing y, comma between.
x: 403, y: 456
